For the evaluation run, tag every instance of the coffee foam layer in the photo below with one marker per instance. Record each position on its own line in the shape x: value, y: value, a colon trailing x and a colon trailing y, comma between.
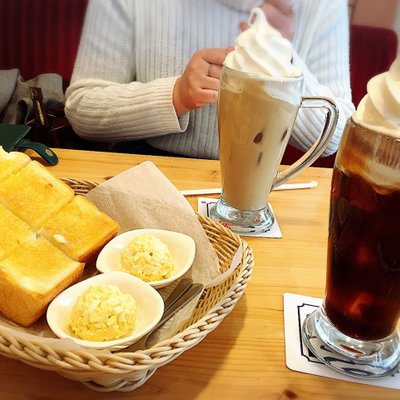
x: 374, y: 158
x: 383, y: 179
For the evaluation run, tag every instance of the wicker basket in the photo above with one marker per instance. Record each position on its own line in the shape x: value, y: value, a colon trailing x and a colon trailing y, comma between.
x: 105, y: 371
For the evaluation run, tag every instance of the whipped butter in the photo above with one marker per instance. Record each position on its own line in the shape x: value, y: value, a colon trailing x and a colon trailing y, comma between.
x: 379, y: 110
x: 60, y: 238
x: 262, y: 50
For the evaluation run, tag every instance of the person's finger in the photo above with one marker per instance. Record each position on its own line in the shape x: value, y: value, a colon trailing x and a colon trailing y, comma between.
x: 278, y: 20
x: 196, y: 68
x: 209, y: 96
x: 209, y: 83
x: 244, y: 26
x: 205, y: 81
x: 284, y: 6
x: 274, y: 16
x: 214, y: 56
x: 200, y: 97
x: 214, y: 71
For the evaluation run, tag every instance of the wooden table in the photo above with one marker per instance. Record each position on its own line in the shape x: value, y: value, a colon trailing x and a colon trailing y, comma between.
x: 244, y: 358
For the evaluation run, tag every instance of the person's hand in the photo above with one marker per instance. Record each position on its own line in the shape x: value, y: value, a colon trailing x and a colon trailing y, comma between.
x: 199, y: 83
x: 280, y: 15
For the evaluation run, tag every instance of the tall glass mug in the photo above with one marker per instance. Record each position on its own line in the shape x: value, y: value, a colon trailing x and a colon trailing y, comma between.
x: 359, y: 316
x: 255, y: 118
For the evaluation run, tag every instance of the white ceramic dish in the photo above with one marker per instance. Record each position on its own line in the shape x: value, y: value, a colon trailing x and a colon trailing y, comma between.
x: 181, y: 246
x: 150, y: 308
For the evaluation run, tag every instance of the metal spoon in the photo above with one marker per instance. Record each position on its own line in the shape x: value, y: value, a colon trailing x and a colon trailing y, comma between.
x: 183, y: 293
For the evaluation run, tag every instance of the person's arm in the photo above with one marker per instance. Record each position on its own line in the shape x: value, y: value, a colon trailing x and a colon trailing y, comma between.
x: 106, y: 103
x: 323, y: 57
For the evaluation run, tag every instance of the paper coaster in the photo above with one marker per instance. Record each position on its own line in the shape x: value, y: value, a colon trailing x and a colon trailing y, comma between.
x: 204, y: 205
x: 299, y: 358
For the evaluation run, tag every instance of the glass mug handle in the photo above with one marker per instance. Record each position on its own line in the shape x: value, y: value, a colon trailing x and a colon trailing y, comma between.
x: 320, y: 144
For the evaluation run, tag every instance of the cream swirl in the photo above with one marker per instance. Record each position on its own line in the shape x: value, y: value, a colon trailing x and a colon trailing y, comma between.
x: 262, y: 50
x: 380, y: 108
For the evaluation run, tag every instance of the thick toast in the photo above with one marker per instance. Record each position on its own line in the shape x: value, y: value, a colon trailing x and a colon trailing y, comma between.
x: 80, y: 229
x: 31, y: 277
x: 34, y: 194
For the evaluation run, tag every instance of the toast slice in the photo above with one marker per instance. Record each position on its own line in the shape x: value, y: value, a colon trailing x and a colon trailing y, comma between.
x: 34, y: 194
x: 12, y: 162
x: 80, y: 229
x: 13, y: 232
x: 31, y: 277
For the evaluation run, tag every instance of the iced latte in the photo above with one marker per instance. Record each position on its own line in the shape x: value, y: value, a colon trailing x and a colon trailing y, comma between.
x: 254, y: 128
x: 260, y: 93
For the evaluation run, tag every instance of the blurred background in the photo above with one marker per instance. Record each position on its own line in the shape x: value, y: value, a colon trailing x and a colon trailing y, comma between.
x: 383, y: 13
x: 38, y: 36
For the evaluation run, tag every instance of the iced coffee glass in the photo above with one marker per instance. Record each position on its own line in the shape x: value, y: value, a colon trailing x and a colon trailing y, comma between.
x: 256, y: 115
x: 355, y: 330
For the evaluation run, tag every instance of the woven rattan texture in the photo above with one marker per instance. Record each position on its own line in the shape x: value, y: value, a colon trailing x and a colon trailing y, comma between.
x: 105, y: 371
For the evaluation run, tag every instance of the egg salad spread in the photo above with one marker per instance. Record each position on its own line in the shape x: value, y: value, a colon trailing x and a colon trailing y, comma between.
x: 147, y: 258
x: 103, y: 313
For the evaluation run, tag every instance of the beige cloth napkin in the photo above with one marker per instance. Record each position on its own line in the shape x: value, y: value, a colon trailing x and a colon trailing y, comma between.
x: 142, y: 197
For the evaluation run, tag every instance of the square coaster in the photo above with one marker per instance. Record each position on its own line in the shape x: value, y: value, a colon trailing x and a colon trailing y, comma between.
x: 299, y: 358
x: 204, y: 205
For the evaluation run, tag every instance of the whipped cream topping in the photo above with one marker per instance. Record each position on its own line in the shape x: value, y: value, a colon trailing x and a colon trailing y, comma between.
x: 262, y: 50
x: 379, y: 110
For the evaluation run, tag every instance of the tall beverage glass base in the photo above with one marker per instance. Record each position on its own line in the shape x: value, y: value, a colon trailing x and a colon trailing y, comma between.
x: 358, y: 358
x: 242, y: 222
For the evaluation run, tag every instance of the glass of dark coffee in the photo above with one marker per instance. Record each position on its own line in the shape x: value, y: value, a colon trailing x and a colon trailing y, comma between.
x: 355, y: 330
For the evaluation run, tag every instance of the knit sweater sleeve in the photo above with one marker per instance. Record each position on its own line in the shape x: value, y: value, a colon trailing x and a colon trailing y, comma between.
x: 323, y: 57
x: 104, y: 101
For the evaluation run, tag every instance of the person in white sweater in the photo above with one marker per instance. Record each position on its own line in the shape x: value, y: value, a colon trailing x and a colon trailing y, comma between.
x: 149, y: 69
